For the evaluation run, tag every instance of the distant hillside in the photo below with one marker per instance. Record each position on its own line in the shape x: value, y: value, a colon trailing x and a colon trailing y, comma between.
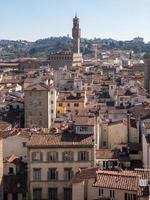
x: 41, y: 48
x: 10, y: 49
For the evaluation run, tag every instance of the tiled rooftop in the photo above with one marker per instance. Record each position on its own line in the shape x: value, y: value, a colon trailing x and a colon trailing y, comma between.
x: 116, y: 180
x: 84, y: 174
x: 60, y: 140
x: 37, y: 86
x: 88, y: 121
x: 122, y: 180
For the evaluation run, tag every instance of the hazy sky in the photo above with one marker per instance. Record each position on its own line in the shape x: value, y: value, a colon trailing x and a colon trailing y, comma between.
x: 34, y: 19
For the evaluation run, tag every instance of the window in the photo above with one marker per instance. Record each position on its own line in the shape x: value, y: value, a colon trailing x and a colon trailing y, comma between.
x: 68, y: 174
x: 83, y: 156
x: 60, y: 104
x: 68, y: 104
x: 52, y: 102
x: 40, y: 113
x: 37, y: 194
x: 6, y: 196
x: 14, y: 196
x: 68, y: 156
x: 24, y: 196
x: 11, y: 170
x: 76, y: 111
x: 101, y: 192
x: 83, y: 128
x: 104, y: 144
x: 36, y: 156
x: 36, y: 174
x: 105, y: 164
x: 30, y: 94
x: 129, y: 196
x: 52, y: 92
x: 52, y: 174
x: 67, y: 194
x: 52, y: 194
x: 76, y: 105
x: 52, y: 156
x: 112, y: 193
x: 24, y: 144
x: 52, y: 111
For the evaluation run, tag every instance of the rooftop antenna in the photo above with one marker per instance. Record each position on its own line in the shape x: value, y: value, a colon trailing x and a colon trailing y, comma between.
x: 76, y: 14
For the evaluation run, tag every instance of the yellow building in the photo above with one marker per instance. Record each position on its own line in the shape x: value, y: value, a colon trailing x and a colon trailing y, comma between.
x: 70, y: 102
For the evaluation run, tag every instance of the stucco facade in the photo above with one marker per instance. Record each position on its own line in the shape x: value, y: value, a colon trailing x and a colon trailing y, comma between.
x: 112, y: 135
x: 15, y: 145
x: 60, y: 165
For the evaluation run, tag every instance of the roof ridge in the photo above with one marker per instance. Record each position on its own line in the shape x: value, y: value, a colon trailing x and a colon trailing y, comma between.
x: 115, y: 173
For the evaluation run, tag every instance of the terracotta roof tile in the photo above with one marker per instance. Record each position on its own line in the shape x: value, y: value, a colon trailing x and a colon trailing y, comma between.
x: 37, y: 86
x: 84, y: 121
x: 117, y: 180
x: 84, y: 174
x: 60, y: 139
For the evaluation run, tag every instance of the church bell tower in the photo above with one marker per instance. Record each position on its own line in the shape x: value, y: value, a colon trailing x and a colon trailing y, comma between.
x: 76, y: 34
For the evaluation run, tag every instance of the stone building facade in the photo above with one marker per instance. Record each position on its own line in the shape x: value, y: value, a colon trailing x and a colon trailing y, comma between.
x: 147, y: 72
x: 37, y: 106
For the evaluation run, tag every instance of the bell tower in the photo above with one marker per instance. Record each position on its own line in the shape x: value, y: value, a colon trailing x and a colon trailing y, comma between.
x: 76, y: 34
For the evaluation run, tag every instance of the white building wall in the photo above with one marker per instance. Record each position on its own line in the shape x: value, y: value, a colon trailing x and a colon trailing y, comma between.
x: 146, y: 153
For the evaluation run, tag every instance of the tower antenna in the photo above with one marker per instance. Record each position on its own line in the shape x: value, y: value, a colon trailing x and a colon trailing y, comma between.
x: 76, y: 14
